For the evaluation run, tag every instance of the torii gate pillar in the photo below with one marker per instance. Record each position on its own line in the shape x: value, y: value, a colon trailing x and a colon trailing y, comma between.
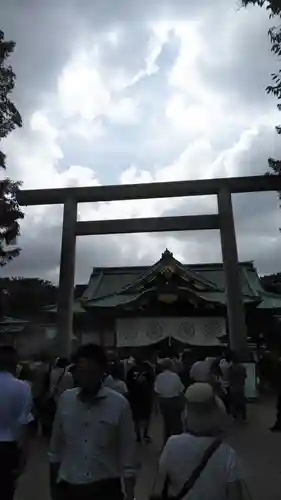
x: 235, y: 308
x: 66, y: 280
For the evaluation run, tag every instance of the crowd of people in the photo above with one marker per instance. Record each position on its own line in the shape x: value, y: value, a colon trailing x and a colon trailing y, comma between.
x: 93, y: 413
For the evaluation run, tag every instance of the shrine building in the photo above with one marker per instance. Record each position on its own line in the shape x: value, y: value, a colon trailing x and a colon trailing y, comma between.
x: 140, y: 306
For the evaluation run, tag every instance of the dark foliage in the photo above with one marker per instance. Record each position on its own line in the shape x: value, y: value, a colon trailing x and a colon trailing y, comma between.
x: 274, y: 9
x: 10, y: 118
x: 79, y: 290
x: 10, y: 214
x: 273, y: 6
x: 26, y: 297
x: 271, y: 283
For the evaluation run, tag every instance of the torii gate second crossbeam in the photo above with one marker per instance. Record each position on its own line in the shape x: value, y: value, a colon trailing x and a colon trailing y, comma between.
x: 223, y: 220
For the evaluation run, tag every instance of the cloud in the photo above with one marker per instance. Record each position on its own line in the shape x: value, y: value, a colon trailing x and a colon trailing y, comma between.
x: 90, y: 103
x: 141, y: 92
x: 240, y: 61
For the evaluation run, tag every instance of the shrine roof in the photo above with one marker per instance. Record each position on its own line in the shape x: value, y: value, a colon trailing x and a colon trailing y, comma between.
x: 12, y: 321
x: 117, y: 286
x: 270, y: 301
x: 12, y: 325
x: 106, y: 281
x: 77, y: 308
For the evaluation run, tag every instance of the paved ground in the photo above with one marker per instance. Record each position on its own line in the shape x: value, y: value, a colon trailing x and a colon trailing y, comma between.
x: 260, y: 452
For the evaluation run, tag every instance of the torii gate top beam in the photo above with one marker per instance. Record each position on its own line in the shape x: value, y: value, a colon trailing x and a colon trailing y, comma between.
x: 176, y: 189
x: 222, y: 188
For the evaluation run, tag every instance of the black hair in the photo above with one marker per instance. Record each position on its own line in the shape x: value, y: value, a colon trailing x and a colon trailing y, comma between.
x: 116, y: 371
x: 92, y: 352
x: 227, y: 356
x: 25, y: 373
x: 215, y: 368
x: 234, y: 357
x: 8, y: 357
x: 62, y: 363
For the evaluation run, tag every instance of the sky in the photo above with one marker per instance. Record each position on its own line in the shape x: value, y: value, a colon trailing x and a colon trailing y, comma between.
x: 125, y: 91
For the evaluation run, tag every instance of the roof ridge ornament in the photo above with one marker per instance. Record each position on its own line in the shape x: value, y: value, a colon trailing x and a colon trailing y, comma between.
x: 167, y: 264
x: 166, y: 254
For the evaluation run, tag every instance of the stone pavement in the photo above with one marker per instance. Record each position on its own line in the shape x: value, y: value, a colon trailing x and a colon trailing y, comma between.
x: 259, y: 450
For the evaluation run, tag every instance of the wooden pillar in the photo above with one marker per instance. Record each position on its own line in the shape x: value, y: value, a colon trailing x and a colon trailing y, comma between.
x: 114, y: 329
x: 66, y: 280
x: 101, y: 333
x: 235, y: 307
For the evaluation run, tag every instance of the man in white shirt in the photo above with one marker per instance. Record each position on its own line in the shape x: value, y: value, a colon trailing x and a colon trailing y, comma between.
x: 169, y: 389
x: 93, y: 440
x: 15, y: 411
x: 60, y: 378
x: 114, y: 380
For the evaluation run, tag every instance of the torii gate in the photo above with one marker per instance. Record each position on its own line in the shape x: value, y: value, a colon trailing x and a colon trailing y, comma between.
x: 223, y: 220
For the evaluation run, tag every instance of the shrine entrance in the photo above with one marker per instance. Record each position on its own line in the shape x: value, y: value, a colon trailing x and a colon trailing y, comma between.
x: 192, y: 331
x: 223, y: 220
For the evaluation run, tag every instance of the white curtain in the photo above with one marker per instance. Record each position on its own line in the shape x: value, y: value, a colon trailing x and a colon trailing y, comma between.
x: 137, y: 332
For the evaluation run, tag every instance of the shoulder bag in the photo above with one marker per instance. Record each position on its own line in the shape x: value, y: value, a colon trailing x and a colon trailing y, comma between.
x: 188, y: 485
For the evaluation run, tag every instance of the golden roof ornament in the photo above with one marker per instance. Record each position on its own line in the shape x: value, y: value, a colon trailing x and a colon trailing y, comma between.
x: 167, y: 268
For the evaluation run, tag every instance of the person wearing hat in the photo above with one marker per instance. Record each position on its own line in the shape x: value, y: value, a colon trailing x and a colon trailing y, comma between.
x: 198, y: 463
x: 169, y: 390
x: 201, y: 370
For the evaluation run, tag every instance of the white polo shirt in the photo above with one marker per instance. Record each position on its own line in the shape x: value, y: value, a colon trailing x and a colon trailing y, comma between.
x: 93, y: 442
x: 15, y: 407
x: 168, y: 384
x: 183, y: 453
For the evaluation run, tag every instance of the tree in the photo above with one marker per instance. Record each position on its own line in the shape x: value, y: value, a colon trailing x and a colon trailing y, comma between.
x: 271, y: 283
x: 273, y: 6
x: 26, y: 297
x: 274, y: 9
x: 10, y: 118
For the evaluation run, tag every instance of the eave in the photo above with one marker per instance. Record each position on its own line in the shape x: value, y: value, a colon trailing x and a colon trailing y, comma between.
x: 122, y: 300
x: 184, y: 273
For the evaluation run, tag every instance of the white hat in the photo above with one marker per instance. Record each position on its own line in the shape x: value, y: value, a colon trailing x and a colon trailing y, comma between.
x: 205, y: 413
